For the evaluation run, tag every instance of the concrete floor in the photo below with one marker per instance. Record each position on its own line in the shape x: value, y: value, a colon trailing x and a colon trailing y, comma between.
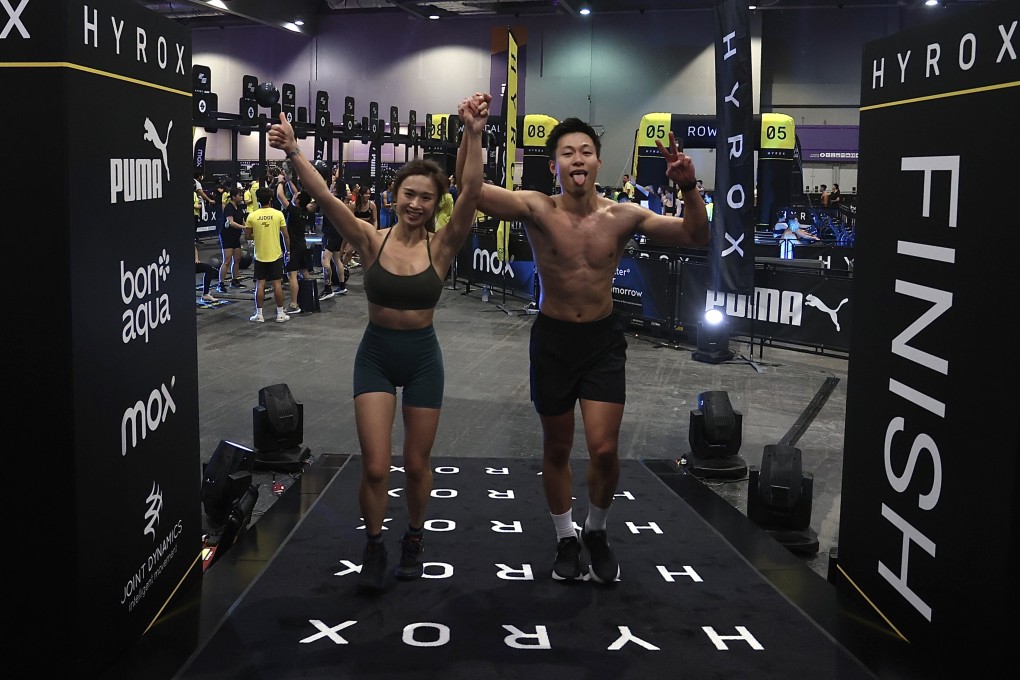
x: 487, y: 412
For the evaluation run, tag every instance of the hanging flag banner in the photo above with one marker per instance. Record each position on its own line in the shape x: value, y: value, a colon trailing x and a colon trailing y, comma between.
x: 509, y: 113
x: 200, y: 154
x: 732, y: 260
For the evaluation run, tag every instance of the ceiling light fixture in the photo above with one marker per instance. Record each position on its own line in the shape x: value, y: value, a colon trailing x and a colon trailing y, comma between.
x: 299, y: 22
x: 217, y: 3
x: 433, y: 17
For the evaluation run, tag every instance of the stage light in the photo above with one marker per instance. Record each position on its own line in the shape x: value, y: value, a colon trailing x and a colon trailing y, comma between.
x: 584, y: 11
x: 713, y: 339
x: 779, y: 498
x: 278, y: 425
x: 225, y: 478
x: 715, y: 436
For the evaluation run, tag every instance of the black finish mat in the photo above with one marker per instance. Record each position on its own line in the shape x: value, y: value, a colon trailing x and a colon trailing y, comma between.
x: 687, y: 604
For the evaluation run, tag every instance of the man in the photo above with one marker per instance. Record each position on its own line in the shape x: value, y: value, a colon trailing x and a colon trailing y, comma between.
x: 264, y: 226
x: 300, y: 213
x: 577, y: 351
x: 628, y: 188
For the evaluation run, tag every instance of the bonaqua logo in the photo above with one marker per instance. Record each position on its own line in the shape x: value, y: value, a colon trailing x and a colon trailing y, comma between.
x: 148, y: 307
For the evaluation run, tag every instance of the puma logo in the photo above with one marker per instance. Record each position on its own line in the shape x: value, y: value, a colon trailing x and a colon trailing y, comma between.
x: 812, y: 301
x: 152, y: 136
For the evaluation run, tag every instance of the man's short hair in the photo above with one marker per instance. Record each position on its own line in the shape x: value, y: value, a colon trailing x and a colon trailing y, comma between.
x: 264, y: 195
x: 567, y: 126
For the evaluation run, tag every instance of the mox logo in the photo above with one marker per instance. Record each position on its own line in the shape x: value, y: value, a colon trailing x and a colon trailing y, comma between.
x: 141, y: 179
x: 14, y: 19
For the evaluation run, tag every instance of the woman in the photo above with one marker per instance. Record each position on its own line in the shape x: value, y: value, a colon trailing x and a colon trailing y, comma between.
x: 234, y: 216
x: 404, y: 268
x: 364, y: 207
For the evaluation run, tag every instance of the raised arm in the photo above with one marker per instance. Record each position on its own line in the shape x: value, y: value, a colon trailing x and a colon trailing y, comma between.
x: 499, y: 202
x: 281, y: 195
x: 474, y: 112
x: 691, y: 230
x: 357, y: 231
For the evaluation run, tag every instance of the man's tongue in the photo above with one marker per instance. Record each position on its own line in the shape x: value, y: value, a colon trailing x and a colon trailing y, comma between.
x: 579, y: 178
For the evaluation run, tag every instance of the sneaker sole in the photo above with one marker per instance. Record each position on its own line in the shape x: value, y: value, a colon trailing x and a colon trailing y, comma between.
x: 406, y: 575
x: 594, y: 576
x: 326, y: 297
x: 566, y: 579
x: 591, y: 569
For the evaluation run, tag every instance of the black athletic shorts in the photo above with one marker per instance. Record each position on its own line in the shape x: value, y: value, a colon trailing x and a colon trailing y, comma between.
x: 571, y: 361
x: 230, y: 238
x: 268, y: 271
x: 388, y: 358
x: 331, y: 240
x: 299, y: 259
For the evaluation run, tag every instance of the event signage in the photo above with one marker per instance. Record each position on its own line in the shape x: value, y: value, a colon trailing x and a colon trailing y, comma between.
x: 641, y: 287
x: 829, y: 143
x: 732, y: 220
x: 928, y: 530
x: 535, y: 173
x: 802, y: 308
x: 776, y: 143
x: 106, y: 373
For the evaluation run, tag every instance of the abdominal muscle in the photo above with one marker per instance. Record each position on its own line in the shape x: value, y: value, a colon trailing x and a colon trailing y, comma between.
x: 400, y: 319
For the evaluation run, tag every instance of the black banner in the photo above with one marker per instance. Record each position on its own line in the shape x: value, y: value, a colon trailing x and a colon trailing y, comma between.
x: 928, y: 528
x: 733, y: 215
x: 200, y: 154
x: 799, y: 307
x: 106, y: 381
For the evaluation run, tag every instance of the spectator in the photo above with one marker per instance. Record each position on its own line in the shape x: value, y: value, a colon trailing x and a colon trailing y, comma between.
x: 264, y: 226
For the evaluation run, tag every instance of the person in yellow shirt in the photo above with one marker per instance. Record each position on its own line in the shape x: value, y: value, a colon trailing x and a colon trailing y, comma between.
x: 251, y: 196
x: 445, y: 211
x: 264, y: 227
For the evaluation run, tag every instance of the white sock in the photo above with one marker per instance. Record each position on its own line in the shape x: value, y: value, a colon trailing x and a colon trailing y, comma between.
x: 596, y: 518
x: 564, y: 525
x: 280, y: 311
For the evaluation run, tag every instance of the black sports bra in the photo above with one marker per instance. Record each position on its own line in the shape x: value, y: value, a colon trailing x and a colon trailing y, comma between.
x: 417, y: 291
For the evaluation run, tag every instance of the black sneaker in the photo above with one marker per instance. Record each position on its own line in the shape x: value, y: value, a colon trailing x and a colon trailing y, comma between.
x: 342, y: 290
x: 327, y: 293
x: 237, y: 284
x: 373, y: 567
x: 411, y: 548
x: 567, y: 566
x: 221, y: 290
x: 604, y: 567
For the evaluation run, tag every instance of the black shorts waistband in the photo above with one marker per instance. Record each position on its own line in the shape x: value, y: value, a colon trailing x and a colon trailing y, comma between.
x: 575, y: 328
